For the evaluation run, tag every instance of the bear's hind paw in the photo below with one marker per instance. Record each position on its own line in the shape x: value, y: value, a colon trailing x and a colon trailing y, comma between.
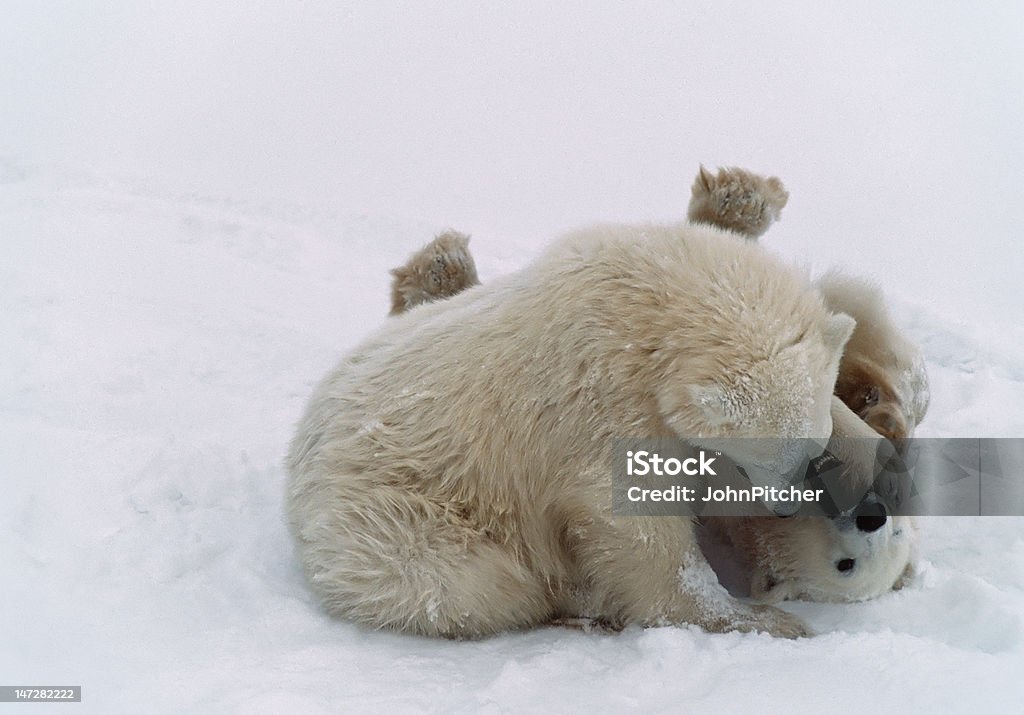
x: 737, y: 200
x: 439, y: 270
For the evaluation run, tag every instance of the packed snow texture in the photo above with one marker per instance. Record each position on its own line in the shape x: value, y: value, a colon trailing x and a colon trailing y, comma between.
x: 199, y: 203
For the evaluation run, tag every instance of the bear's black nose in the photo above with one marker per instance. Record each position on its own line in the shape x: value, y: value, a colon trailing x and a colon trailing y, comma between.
x: 871, y: 516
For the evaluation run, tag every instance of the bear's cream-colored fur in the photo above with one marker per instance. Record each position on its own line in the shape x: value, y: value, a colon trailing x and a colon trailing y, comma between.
x: 452, y: 476
x: 882, y: 376
x: 882, y: 389
x: 819, y: 558
x: 837, y: 559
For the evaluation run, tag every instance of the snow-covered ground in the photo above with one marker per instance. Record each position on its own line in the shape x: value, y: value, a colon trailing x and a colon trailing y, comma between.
x: 198, y: 208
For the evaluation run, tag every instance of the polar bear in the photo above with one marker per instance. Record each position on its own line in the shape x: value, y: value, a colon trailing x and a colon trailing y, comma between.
x: 861, y: 554
x: 452, y: 475
x: 881, y: 395
x: 858, y: 555
x: 813, y: 558
x: 882, y: 391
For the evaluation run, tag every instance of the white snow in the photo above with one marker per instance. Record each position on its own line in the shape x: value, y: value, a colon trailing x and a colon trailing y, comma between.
x: 199, y: 203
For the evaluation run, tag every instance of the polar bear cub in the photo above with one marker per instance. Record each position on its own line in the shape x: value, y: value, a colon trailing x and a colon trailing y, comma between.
x: 452, y: 475
x: 859, y: 554
x: 882, y: 389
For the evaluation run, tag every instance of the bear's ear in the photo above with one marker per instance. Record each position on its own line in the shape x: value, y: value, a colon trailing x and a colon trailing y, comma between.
x: 838, y: 329
x: 714, y: 404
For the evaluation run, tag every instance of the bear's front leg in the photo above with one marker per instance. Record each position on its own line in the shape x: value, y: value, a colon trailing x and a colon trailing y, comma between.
x: 651, y: 572
x: 718, y: 612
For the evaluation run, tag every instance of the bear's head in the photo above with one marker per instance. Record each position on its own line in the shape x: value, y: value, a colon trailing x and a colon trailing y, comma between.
x: 862, y: 552
x: 830, y: 559
x: 769, y: 412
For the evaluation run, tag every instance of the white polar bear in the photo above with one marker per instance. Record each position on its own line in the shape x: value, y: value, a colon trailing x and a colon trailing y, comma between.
x: 452, y: 476
x: 857, y: 555
x: 882, y: 390
x: 860, y: 554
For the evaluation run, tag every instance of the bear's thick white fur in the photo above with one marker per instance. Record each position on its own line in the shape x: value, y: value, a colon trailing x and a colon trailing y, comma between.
x: 452, y: 476
x: 800, y: 557
x: 882, y: 389
x: 882, y: 376
x: 773, y: 559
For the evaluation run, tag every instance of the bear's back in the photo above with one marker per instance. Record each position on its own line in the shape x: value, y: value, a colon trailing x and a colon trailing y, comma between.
x: 515, y: 378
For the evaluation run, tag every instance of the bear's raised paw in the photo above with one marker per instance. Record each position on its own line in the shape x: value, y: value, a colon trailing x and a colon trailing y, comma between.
x: 737, y: 200
x: 439, y: 270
